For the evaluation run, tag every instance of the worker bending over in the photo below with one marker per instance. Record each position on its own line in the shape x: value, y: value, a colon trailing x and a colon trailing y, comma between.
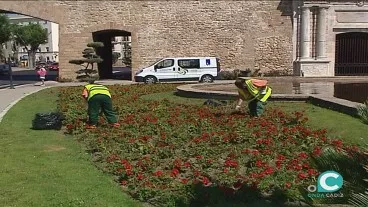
x: 255, y: 91
x: 99, y: 97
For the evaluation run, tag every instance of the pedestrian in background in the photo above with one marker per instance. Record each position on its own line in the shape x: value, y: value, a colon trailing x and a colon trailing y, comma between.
x: 42, y: 73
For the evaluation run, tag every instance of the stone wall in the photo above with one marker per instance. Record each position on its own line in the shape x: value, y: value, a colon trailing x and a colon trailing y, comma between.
x: 243, y: 34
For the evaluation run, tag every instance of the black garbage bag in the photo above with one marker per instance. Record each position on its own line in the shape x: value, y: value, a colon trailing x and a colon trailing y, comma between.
x: 51, y: 120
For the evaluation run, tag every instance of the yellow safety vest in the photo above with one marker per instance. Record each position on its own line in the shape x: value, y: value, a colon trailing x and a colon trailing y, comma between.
x: 94, y: 89
x: 255, y: 92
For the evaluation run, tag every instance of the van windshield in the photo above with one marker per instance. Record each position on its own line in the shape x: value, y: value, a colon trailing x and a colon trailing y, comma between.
x: 158, y: 60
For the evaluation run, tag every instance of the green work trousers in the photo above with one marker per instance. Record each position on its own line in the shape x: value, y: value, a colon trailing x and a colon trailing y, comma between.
x: 100, y: 102
x: 256, y: 107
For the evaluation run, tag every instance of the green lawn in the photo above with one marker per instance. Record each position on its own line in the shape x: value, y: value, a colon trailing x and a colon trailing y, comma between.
x: 339, y: 125
x: 46, y: 168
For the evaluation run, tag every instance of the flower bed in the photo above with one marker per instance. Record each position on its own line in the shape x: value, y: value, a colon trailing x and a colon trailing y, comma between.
x: 173, y: 154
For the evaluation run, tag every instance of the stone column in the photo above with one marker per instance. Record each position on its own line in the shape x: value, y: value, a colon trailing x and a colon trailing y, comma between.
x: 321, y: 33
x: 305, y: 34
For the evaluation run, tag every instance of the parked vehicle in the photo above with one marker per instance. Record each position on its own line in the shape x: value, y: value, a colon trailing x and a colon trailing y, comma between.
x: 53, y: 66
x: 4, y: 69
x: 40, y: 65
x: 202, y: 69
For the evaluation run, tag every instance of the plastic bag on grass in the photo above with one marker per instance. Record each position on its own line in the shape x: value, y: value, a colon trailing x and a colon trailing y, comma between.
x: 51, y: 120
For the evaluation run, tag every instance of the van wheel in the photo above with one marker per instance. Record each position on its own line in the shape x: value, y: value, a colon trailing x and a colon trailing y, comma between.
x: 207, y: 79
x: 150, y: 79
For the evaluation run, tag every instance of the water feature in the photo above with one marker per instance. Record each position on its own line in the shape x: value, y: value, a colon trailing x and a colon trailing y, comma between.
x: 352, y: 91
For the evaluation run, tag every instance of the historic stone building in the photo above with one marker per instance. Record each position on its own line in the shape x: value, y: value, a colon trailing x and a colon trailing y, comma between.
x: 294, y: 37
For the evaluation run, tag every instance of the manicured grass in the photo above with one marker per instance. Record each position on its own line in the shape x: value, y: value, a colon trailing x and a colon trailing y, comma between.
x: 338, y: 125
x: 47, y: 168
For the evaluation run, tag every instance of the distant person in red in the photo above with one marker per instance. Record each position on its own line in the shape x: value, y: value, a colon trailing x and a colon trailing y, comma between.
x: 42, y: 73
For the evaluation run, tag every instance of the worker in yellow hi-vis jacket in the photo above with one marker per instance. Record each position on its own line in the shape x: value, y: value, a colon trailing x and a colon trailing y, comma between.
x: 255, y: 91
x: 99, y: 97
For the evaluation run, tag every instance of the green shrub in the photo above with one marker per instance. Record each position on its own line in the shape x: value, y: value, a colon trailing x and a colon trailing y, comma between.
x: 363, y: 112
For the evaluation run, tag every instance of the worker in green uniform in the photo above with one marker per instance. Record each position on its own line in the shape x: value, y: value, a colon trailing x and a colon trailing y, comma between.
x: 256, y: 92
x: 99, y: 97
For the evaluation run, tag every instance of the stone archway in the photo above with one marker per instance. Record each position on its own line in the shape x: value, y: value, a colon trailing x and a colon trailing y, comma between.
x: 103, y: 33
x: 50, y: 11
x: 105, y: 68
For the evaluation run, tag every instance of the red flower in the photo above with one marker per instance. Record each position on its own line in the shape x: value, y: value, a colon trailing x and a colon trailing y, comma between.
x: 197, y: 173
x: 303, y: 155
x: 306, y: 165
x: 123, y: 182
x: 255, y: 152
x: 174, y: 172
x: 302, y: 175
x: 231, y: 163
x: 312, y: 172
x: 281, y: 157
x: 269, y: 171
x: 298, y: 167
x: 226, y: 170
x: 317, y: 151
x: 128, y: 172
x: 259, y: 163
x: 199, y: 156
x: 246, y: 151
x: 287, y: 185
x: 278, y: 164
x: 128, y: 166
x: 140, y: 176
x: 187, y: 164
x: 177, y: 163
x: 158, y: 173
x: 206, y: 181
x: 184, y: 180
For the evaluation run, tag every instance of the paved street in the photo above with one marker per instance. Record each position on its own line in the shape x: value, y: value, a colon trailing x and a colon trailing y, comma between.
x: 23, y: 76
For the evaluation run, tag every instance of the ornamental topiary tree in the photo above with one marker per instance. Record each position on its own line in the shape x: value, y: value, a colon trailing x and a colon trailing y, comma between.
x: 89, y: 73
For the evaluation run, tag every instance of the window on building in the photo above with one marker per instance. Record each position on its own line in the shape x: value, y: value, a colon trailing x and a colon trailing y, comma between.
x: 189, y: 63
x: 47, y: 49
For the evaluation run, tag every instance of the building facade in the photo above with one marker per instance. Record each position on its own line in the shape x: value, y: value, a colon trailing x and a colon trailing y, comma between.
x: 330, y: 38
x: 303, y: 38
x: 46, y: 52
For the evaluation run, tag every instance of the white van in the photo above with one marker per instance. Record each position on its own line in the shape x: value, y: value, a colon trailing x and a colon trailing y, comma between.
x: 203, y: 69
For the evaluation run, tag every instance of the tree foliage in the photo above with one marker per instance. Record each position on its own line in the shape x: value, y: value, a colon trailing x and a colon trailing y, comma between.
x: 5, y: 29
x: 30, y: 36
x: 127, y: 59
x: 115, y: 57
x: 90, y: 58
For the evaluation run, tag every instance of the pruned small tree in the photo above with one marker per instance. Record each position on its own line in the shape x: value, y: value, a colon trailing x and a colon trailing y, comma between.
x: 89, y: 73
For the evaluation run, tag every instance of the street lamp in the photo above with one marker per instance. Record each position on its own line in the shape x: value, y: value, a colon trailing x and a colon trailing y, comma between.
x: 11, y: 77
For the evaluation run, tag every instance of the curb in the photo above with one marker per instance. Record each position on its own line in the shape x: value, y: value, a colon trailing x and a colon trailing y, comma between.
x: 5, y: 111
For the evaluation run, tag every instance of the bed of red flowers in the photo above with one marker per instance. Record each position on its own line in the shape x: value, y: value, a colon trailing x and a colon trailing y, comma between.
x: 164, y: 152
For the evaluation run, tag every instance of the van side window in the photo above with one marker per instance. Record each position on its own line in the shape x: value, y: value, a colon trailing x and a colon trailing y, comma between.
x: 165, y: 63
x: 189, y: 63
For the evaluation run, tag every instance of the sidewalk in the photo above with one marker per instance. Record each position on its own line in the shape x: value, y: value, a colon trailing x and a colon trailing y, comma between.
x: 9, y: 97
